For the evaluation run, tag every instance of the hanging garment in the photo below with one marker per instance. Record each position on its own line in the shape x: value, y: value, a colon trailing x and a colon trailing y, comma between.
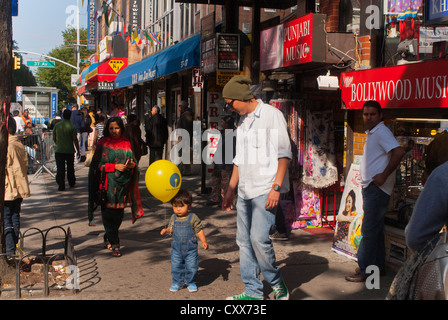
x: 319, y: 163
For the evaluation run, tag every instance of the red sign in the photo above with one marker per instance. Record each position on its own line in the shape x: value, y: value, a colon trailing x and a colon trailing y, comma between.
x: 108, y: 70
x: 297, y: 41
x: 415, y: 85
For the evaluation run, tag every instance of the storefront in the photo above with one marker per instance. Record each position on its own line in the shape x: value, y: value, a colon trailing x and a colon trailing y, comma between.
x: 163, y: 79
x: 414, y: 98
x: 293, y: 57
x: 100, y: 81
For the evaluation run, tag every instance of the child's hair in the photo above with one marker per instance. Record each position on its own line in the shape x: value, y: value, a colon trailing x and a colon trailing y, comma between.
x: 182, y: 197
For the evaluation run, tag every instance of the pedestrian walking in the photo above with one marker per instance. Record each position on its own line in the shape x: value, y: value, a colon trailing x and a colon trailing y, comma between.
x: 156, y: 134
x: 222, y: 160
x: 382, y: 154
x: 16, y: 187
x: 66, y: 139
x: 184, y: 226
x: 263, y: 152
x: 185, y: 122
x: 134, y: 135
x: 114, y: 158
x: 78, y: 120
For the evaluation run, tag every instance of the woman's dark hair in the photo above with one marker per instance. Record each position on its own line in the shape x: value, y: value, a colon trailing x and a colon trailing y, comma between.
x: 182, y: 197
x: 12, y: 125
x: 109, y: 121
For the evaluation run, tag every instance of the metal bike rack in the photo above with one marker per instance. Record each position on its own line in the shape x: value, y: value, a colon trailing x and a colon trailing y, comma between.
x: 69, y: 255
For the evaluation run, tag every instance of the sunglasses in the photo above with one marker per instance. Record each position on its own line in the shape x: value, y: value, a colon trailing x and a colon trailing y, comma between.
x: 229, y: 105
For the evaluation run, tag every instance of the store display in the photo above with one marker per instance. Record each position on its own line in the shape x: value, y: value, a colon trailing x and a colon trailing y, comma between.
x: 319, y: 166
x: 347, y: 235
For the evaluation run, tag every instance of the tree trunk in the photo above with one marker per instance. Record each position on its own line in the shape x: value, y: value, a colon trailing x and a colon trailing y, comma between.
x: 6, y: 64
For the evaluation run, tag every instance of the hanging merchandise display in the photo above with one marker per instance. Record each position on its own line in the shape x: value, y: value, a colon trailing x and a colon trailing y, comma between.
x: 313, y: 166
x: 319, y: 166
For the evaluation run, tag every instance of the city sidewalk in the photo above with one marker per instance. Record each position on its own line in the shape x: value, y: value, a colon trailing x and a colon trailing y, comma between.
x: 312, y: 271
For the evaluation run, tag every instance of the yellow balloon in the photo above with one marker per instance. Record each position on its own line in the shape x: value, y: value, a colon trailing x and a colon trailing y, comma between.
x: 163, y: 180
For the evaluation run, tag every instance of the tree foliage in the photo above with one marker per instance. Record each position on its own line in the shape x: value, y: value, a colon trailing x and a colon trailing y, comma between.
x: 60, y: 75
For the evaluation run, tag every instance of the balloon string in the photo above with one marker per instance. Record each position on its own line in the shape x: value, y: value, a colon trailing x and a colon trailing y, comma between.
x: 165, y: 219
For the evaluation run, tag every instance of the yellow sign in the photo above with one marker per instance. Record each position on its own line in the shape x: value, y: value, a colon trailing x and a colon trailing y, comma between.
x: 222, y: 77
x: 116, y: 65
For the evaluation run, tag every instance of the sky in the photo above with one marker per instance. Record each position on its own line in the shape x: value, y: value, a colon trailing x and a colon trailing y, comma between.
x: 39, y: 25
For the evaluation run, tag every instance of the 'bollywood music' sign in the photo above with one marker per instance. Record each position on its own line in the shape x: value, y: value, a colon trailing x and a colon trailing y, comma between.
x: 415, y: 85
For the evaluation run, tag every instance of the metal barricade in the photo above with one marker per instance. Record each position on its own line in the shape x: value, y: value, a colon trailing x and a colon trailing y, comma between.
x: 40, y: 149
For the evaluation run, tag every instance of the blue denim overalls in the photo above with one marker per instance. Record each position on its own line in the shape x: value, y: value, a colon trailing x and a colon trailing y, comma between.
x: 184, y: 252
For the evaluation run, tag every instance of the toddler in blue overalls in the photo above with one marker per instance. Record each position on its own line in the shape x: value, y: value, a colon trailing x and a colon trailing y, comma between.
x: 184, y: 227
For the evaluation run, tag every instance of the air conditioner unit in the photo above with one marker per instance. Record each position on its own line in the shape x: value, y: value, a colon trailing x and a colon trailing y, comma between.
x: 328, y: 82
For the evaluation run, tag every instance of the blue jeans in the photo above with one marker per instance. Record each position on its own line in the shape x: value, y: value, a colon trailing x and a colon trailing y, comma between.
x: 12, y: 224
x: 184, y: 253
x: 372, y: 249
x: 256, y: 250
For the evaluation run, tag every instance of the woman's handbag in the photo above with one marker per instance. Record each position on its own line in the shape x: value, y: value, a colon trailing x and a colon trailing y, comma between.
x: 431, y: 278
x: 101, y: 193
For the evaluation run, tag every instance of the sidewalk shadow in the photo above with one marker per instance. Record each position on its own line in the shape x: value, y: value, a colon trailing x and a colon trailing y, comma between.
x: 212, y: 269
x: 301, y: 267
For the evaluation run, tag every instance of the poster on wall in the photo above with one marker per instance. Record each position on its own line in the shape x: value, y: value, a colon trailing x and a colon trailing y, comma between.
x: 347, y: 235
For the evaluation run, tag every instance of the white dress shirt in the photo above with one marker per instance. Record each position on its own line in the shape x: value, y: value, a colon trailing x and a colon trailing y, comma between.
x: 262, y: 138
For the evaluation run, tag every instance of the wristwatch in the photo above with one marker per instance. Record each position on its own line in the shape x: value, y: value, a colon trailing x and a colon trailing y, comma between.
x: 276, y: 187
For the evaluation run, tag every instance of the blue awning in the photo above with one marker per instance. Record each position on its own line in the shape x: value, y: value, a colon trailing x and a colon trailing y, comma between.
x: 181, y: 56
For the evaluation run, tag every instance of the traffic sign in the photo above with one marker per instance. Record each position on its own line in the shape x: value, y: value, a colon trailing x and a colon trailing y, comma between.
x: 85, y: 61
x: 43, y: 64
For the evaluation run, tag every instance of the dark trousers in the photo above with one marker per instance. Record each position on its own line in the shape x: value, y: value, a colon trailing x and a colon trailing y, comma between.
x: 12, y: 224
x: 112, y: 219
x: 61, y: 160
x: 155, y: 154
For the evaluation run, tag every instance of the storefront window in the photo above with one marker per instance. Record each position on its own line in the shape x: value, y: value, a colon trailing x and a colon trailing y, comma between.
x: 414, y: 135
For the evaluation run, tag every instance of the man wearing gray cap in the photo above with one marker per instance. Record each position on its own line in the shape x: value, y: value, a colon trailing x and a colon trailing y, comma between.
x: 263, y: 152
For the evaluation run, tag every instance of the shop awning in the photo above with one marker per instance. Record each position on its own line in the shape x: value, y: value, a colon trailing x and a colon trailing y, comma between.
x: 107, y: 71
x: 413, y: 85
x: 86, y: 71
x: 181, y: 56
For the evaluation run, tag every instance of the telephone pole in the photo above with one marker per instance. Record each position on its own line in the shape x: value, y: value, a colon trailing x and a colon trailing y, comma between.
x: 6, y: 65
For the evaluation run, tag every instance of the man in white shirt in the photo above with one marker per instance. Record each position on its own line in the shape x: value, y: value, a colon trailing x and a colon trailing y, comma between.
x: 20, y: 124
x: 382, y: 155
x: 263, y: 152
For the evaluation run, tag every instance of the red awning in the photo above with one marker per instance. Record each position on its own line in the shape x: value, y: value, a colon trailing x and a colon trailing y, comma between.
x: 414, y: 85
x: 107, y: 71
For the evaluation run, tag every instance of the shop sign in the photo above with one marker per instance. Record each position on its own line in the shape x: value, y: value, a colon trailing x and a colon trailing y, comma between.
x: 116, y: 64
x: 91, y: 26
x: 197, y: 79
x: 105, y: 86
x: 295, y: 42
x: 104, y: 49
x: 222, y: 77
x: 414, y: 85
x: 208, y: 55
x: 228, y: 51
x: 436, y: 11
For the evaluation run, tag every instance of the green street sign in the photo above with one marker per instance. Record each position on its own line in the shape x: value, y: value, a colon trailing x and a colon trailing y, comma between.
x: 43, y: 64
x: 85, y: 61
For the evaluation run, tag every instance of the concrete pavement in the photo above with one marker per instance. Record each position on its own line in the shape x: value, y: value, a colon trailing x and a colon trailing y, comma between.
x: 312, y: 271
